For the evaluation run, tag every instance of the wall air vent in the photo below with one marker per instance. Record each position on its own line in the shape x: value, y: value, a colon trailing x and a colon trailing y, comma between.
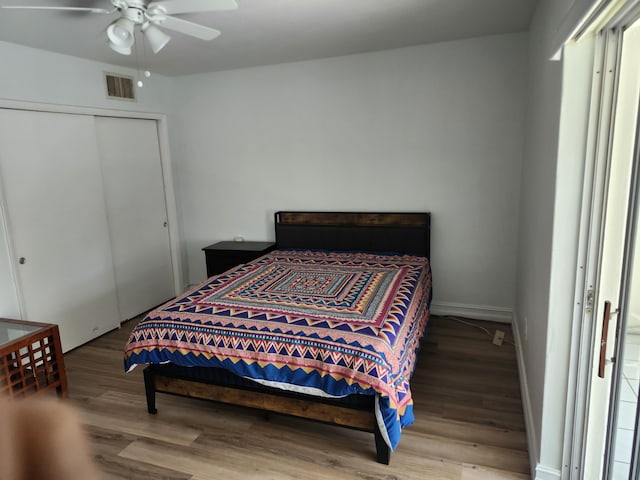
x: 120, y: 86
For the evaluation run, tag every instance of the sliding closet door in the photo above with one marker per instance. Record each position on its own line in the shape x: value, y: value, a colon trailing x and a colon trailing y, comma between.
x: 9, y: 307
x: 56, y: 217
x: 137, y: 214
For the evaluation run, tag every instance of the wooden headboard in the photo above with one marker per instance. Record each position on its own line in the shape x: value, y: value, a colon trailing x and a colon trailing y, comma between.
x: 370, y: 232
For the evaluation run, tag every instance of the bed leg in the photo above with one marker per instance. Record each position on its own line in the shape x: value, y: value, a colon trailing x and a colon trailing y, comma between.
x: 383, y: 452
x: 150, y: 390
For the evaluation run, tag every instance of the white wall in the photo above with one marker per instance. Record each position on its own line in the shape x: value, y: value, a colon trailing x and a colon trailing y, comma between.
x: 536, y: 218
x: 36, y: 76
x: 33, y: 75
x: 437, y: 128
x: 549, y: 219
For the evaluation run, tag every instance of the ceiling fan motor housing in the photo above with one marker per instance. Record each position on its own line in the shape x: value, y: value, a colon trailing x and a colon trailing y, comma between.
x: 135, y: 14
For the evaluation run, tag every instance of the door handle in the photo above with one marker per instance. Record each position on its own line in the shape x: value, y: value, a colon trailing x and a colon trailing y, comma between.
x: 603, y: 338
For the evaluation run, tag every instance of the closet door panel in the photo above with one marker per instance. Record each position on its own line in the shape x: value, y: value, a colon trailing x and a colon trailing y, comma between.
x: 137, y: 214
x: 56, y: 217
x: 8, y: 299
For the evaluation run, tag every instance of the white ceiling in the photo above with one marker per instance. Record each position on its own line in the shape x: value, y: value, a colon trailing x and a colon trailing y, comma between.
x: 262, y: 32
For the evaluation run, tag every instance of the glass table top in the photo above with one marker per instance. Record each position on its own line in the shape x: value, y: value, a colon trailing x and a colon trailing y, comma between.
x: 11, y: 330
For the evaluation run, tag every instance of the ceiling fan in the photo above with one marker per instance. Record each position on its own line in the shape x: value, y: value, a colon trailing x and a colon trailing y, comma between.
x: 148, y: 15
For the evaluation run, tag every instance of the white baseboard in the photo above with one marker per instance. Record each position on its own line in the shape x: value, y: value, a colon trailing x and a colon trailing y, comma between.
x: 532, y: 436
x: 538, y: 471
x: 546, y: 473
x: 477, y: 312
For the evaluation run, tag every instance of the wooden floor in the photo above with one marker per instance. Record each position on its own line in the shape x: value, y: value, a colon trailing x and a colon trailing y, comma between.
x: 469, y: 422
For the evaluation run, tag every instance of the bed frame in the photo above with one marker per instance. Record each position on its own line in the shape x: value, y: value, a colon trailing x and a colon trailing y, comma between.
x: 375, y: 232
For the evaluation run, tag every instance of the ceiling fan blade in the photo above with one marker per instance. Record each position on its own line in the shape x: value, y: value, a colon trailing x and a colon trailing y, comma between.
x: 68, y: 9
x: 186, y: 27
x: 189, y: 6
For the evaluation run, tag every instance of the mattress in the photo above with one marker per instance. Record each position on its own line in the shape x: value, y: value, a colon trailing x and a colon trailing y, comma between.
x: 328, y: 324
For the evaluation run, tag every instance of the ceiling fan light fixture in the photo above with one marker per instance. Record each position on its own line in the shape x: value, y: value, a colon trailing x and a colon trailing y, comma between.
x: 119, y: 49
x: 156, y: 37
x: 120, y: 35
x: 148, y: 14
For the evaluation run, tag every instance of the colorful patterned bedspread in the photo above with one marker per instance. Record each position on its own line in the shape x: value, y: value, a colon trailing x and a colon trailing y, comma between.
x: 339, y: 323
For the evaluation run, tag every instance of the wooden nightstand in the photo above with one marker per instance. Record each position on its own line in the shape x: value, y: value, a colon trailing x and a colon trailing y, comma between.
x: 222, y: 256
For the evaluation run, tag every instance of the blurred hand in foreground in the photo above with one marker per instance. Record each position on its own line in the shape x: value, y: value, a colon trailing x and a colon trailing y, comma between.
x: 43, y: 439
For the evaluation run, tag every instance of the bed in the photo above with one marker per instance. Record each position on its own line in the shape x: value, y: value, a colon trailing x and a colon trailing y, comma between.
x: 326, y: 327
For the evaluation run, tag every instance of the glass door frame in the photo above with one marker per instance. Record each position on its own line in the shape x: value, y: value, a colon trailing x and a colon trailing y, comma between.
x: 601, y: 114
x: 630, y: 250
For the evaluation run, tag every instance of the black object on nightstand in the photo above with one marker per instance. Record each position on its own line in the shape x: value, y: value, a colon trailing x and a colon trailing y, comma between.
x: 222, y: 256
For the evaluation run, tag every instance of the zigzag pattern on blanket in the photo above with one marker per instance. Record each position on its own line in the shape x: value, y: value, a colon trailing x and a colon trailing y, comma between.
x: 345, y: 323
